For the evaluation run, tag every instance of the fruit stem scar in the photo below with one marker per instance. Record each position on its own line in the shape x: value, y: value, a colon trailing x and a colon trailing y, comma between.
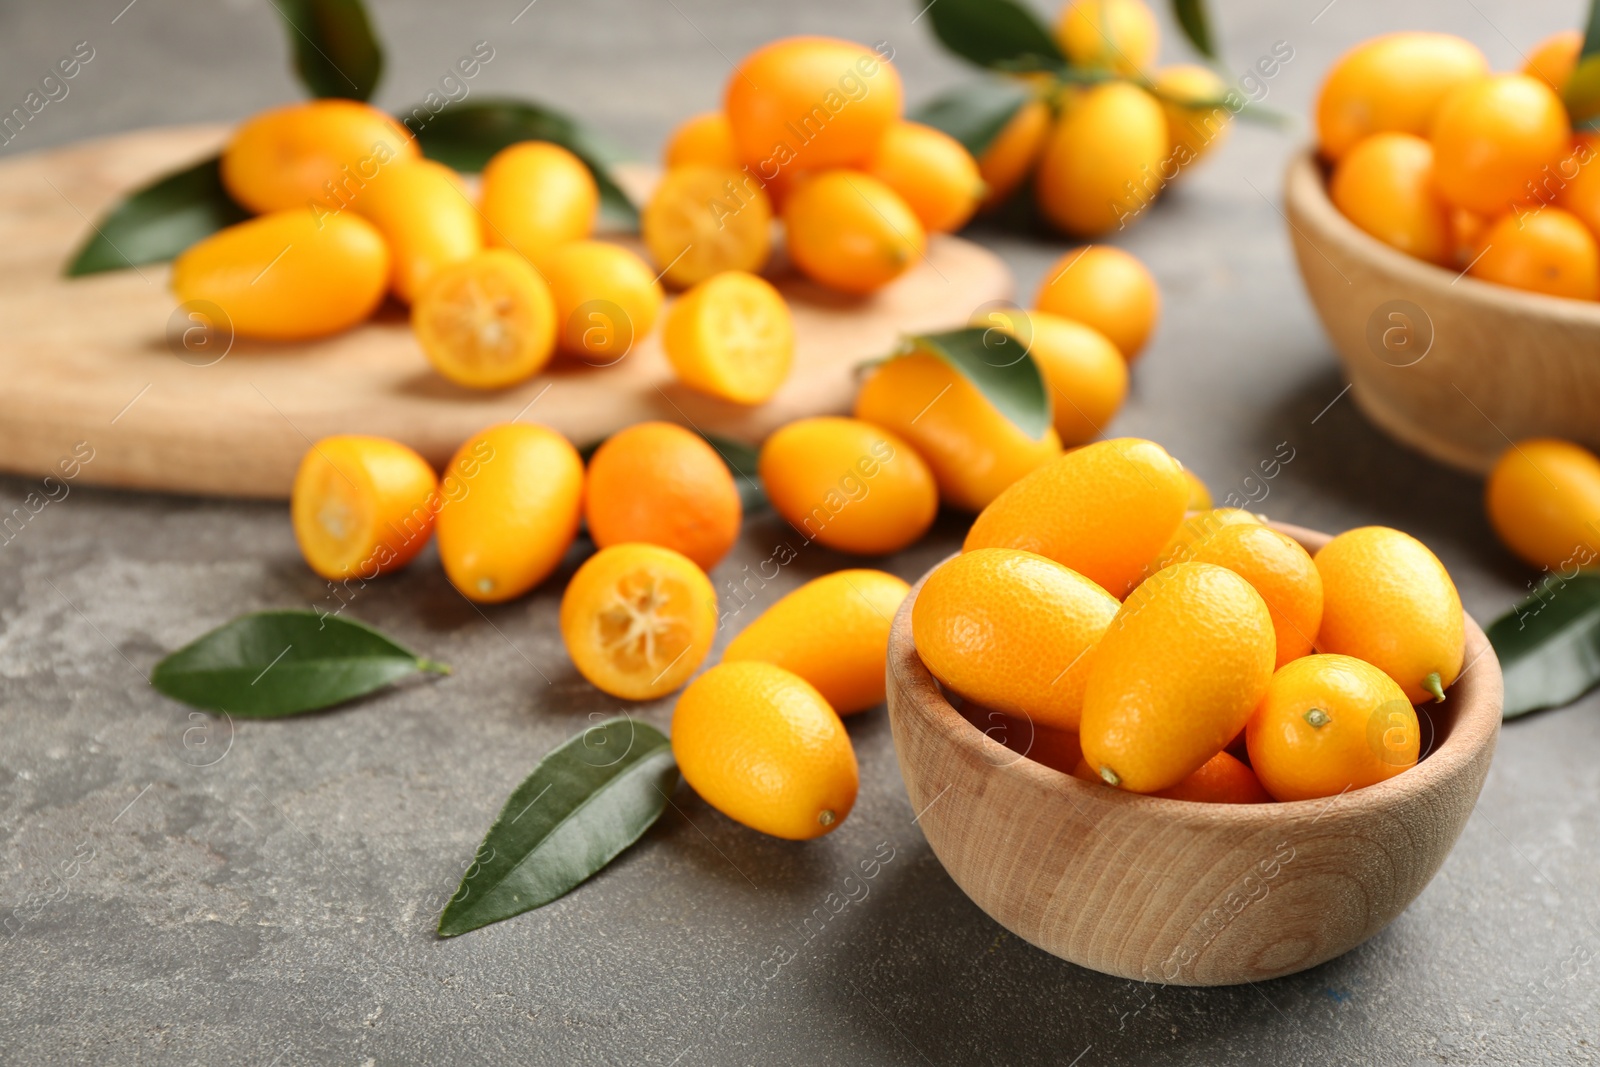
x: 825, y: 816
x: 1317, y: 717
x: 1435, y: 685
x: 1110, y: 776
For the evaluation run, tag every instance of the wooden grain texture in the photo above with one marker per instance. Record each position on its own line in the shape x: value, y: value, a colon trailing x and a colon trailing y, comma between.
x: 1173, y: 891
x: 1503, y: 365
x: 88, y: 359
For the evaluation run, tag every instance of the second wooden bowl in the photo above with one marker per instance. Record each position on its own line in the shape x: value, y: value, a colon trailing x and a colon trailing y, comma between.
x: 1173, y: 891
x: 1452, y: 366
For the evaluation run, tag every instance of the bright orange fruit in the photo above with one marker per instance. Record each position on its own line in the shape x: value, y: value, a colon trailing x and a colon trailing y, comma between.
x: 662, y: 484
x: 1105, y: 510
x: 1176, y: 676
x: 362, y: 506
x: 1328, y: 724
x: 1012, y: 631
x: 833, y: 632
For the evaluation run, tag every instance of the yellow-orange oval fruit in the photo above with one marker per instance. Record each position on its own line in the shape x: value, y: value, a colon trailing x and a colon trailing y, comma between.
x: 852, y: 232
x: 288, y: 276
x: 833, y: 632
x: 1329, y: 724
x: 660, y: 483
x: 1104, y: 510
x: 536, y: 197
x: 512, y: 496
x: 761, y: 745
x: 806, y: 103
x: 1385, y: 185
x: 933, y: 173
x: 1496, y: 140
x: 317, y: 156
x: 423, y: 213
x: 974, y: 451
x: 1197, y: 121
x: 1106, y: 288
x: 1545, y: 251
x: 1553, y: 59
x: 702, y: 140
x: 1176, y: 676
x: 1012, y: 631
x: 1282, y: 572
x: 607, y: 300
x: 1010, y: 156
x: 1121, y: 35
x: 1393, y: 82
x: 848, y: 484
x: 1388, y: 600
x: 1106, y: 159
x: 1084, y: 373
x: 1543, y: 500
x: 1196, y: 529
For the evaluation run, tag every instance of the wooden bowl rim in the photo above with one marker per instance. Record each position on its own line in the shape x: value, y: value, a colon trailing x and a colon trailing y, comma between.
x: 1305, y: 194
x: 1478, y: 693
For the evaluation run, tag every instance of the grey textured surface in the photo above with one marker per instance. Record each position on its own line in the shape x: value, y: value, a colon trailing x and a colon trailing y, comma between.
x: 178, y: 891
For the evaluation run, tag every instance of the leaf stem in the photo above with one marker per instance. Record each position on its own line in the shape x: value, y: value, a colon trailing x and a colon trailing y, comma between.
x: 434, y: 666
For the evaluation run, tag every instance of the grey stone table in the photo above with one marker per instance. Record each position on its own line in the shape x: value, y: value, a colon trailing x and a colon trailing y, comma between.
x: 178, y: 891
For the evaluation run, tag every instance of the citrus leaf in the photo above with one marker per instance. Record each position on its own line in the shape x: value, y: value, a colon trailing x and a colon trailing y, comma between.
x: 1196, y: 25
x: 465, y: 136
x: 335, y: 51
x: 1591, y: 32
x: 1549, y: 645
x: 276, y: 663
x: 155, y: 223
x: 999, y: 34
x: 974, y: 114
x: 1000, y: 367
x: 582, y: 805
x: 743, y: 461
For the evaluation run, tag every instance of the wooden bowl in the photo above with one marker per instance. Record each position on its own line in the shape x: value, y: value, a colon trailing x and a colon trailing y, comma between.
x: 1446, y: 364
x: 1174, y: 891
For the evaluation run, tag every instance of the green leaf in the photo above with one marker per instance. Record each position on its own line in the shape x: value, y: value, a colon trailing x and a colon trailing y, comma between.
x: 1549, y: 645
x: 1591, y: 32
x: 999, y: 34
x: 1581, y: 94
x: 585, y: 802
x: 974, y: 114
x: 743, y: 461
x: 335, y: 51
x: 1000, y: 366
x: 155, y: 223
x: 276, y: 663
x: 465, y: 136
x: 1196, y: 25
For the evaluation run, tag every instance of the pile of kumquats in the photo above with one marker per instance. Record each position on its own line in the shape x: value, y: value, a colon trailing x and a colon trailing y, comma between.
x: 1151, y: 641
x: 502, y: 277
x: 1191, y: 654
x: 1470, y: 169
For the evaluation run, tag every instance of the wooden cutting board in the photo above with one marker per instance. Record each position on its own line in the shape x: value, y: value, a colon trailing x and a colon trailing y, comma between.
x: 88, y: 359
